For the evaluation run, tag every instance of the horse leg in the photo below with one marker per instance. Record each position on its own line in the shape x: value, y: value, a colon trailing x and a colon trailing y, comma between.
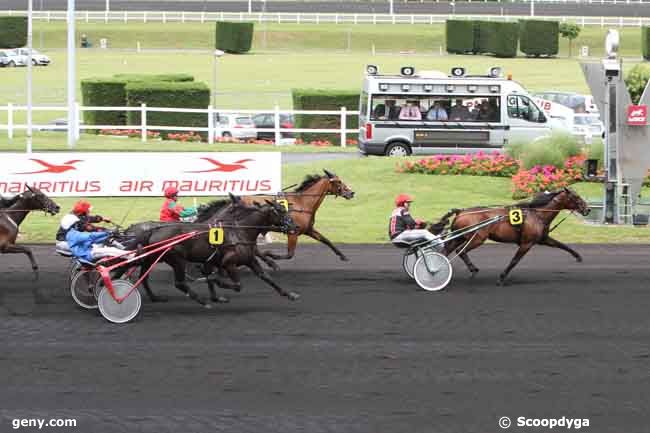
x: 178, y: 266
x: 521, y: 252
x: 207, y: 269
x: 292, y: 241
x: 255, y: 266
x: 315, y: 234
x: 554, y: 243
x: 475, y: 241
x: 144, y: 267
x: 20, y: 249
x: 267, y: 260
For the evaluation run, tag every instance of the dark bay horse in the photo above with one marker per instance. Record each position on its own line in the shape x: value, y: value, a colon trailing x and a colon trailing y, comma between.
x: 538, y: 214
x: 240, y: 230
x: 15, y: 213
x: 303, y: 203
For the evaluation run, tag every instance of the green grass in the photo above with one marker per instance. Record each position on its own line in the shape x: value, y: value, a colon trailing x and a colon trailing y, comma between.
x: 57, y: 141
x: 365, y: 218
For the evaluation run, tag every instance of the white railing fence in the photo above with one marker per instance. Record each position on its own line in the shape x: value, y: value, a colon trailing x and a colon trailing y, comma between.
x: 321, y: 18
x: 212, y: 129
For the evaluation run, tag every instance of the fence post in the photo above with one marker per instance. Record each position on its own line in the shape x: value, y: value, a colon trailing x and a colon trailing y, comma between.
x: 183, y: 17
x: 144, y: 17
x: 77, y: 121
x: 344, y: 125
x: 143, y: 122
x: 126, y: 17
x: 210, y: 125
x: 276, y: 124
x: 87, y: 18
x: 105, y: 17
x: 10, y: 121
x: 202, y: 17
x: 164, y: 17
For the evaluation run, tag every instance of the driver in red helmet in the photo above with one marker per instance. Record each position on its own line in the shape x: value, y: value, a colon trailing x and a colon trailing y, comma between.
x: 402, y: 227
x: 83, y: 222
x: 171, y: 211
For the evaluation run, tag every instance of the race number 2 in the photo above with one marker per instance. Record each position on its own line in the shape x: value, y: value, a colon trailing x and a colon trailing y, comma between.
x: 516, y: 216
x: 215, y: 236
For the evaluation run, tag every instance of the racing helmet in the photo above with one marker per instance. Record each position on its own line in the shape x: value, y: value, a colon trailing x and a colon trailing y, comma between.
x: 403, y: 198
x: 81, y: 207
x: 68, y: 221
x: 171, y: 191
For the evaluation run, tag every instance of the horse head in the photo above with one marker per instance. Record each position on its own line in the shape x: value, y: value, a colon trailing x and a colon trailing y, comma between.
x: 279, y: 216
x: 34, y: 199
x: 572, y: 201
x: 337, y: 187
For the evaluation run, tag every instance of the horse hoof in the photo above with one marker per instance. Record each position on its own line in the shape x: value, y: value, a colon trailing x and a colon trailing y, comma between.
x: 158, y: 298
x: 501, y: 282
x: 207, y: 306
x: 474, y: 272
x: 344, y: 259
x: 293, y: 296
x: 579, y: 259
x: 220, y: 300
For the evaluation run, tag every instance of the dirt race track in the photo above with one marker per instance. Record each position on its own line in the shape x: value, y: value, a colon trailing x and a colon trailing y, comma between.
x: 362, y: 351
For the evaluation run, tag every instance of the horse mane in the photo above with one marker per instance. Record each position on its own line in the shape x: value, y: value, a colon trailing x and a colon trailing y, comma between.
x: 7, y: 202
x: 539, y: 200
x: 308, y: 181
x: 211, y: 208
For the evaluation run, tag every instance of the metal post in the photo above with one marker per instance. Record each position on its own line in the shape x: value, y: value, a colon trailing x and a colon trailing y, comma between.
x: 77, y: 123
x: 532, y: 8
x: 250, y: 6
x: 108, y: 5
x: 29, y: 75
x: 276, y: 124
x: 390, y: 7
x: 210, y: 125
x: 143, y: 122
x: 10, y: 121
x: 71, y: 74
x: 214, y: 81
x: 344, y: 126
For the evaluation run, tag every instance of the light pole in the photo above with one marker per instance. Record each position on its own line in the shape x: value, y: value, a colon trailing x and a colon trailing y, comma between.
x: 72, y: 88
x: 390, y: 5
x: 217, y: 54
x: 29, y: 74
x: 532, y: 8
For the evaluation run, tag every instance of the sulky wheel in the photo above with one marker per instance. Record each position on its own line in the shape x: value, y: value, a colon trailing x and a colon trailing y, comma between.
x: 436, y: 275
x: 73, y: 268
x: 120, y: 312
x: 408, y: 263
x: 82, y: 288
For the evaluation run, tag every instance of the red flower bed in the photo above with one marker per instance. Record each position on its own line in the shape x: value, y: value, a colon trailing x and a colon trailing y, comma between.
x: 129, y: 133
x: 477, y: 164
x: 548, y: 177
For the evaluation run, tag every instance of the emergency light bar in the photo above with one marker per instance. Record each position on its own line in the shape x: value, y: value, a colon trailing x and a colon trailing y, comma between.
x: 372, y: 70
x: 457, y: 71
x: 495, y: 72
x: 407, y: 71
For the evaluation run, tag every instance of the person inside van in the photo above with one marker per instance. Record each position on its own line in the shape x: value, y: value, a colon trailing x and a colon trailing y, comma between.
x: 410, y: 112
x: 379, y: 112
x: 437, y: 112
x: 459, y: 112
x: 392, y: 109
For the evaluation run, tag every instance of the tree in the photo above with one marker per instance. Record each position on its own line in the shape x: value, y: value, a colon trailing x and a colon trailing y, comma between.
x: 569, y: 31
x: 636, y: 81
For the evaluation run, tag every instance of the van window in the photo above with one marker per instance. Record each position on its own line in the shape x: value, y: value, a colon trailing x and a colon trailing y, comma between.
x: 432, y: 108
x: 520, y: 107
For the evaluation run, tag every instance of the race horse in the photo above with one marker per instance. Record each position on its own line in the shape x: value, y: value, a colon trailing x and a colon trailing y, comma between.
x: 303, y: 204
x: 538, y: 214
x: 240, y: 228
x: 14, y: 212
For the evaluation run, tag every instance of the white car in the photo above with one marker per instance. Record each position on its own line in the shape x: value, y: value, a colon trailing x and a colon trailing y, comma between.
x: 13, y: 59
x: 239, y: 126
x: 587, y: 125
x: 38, y: 59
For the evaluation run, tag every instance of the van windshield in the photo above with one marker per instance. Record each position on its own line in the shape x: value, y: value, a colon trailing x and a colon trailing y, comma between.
x: 432, y: 108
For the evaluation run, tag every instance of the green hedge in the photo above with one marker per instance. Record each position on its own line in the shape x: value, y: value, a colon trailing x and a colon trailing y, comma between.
x: 539, y: 38
x: 317, y: 99
x: 103, y: 92
x: 169, y: 94
x: 234, y: 37
x: 13, y: 32
x: 645, y: 42
x: 459, y: 36
x: 155, y: 77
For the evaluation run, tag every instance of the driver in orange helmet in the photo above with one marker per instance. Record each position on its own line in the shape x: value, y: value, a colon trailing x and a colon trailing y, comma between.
x: 402, y: 226
x: 171, y: 211
x: 81, y: 219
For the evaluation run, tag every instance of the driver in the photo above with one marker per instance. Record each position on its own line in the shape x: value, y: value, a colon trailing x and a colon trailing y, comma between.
x: 402, y: 226
x: 87, y: 245
x: 171, y: 211
x: 83, y: 220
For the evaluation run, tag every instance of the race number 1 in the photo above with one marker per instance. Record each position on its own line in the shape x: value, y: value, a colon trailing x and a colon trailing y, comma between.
x: 516, y: 216
x: 284, y: 203
x: 215, y: 236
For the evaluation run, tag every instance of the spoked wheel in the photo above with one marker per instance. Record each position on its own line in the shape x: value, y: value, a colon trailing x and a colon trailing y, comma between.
x: 73, y: 269
x: 82, y: 288
x: 120, y: 312
x: 408, y: 263
x: 434, y: 277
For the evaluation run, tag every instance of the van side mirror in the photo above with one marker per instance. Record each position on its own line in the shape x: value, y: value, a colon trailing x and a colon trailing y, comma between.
x: 542, y: 118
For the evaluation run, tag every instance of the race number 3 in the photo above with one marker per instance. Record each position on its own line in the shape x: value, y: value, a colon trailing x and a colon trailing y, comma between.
x: 284, y: 203
x: 215, y: 236
x: 516, y: 217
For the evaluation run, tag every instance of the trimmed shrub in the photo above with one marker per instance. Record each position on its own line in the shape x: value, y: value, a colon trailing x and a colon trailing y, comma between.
x: 502, y: 39
x: 234, y: 38
x: 636, y: 81
x: 155, y: 77
x: 481, y: 32
x: 645, y: 42
x: 459, y: 36
x: 317, y: 99
x: 13, y: 32
x: 552, y: 150
x: 539, y: 38
x: 103, y: 92
x: 169, y: 94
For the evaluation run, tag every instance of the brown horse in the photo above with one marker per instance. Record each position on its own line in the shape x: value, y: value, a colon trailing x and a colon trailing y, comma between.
x: 538, y: 215
x: 12, y: 216
x: 303, y: 203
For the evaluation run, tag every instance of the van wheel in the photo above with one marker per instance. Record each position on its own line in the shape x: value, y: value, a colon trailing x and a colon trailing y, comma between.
x: 226, y: 135
x: 12, y: 64
x: 398, y: 149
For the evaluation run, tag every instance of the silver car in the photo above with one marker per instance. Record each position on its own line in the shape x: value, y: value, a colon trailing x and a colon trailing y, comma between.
x: 13, y: 58
x: 38, y: 59
x: 239, y: 126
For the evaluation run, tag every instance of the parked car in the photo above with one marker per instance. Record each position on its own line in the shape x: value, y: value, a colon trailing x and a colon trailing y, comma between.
x: 38, y: 59
x: 14, y: 59
x: 587, y: 124
x: 4, y: 59
x: 574, y: 101
x: 268, y: 121
x: 238, y: 126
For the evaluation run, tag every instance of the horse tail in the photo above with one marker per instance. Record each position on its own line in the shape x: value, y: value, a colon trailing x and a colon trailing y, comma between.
x: 441, y: 225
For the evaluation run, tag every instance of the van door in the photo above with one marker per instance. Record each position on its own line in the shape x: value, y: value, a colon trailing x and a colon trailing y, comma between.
x: 527, y: 122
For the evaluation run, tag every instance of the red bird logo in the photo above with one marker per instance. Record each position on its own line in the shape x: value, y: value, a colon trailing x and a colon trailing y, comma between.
x: 53, y: 168
x: 219, y: 166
